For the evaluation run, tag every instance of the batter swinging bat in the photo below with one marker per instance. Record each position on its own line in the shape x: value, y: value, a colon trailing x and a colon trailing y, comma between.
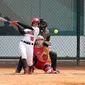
x: 14, y: 23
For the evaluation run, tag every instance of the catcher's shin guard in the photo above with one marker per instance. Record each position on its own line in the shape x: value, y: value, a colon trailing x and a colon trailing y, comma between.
x: 19, y: 66
x: 53, y: 57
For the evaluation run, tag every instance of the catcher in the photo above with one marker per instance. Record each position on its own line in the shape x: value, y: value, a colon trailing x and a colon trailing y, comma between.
x: 41, y: 55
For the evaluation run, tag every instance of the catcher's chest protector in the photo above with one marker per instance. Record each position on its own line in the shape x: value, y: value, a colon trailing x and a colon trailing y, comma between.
x: 42, y: 54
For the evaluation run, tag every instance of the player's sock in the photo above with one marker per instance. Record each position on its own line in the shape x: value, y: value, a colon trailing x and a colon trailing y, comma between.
x: 19, y: 66
x: 24, y: 65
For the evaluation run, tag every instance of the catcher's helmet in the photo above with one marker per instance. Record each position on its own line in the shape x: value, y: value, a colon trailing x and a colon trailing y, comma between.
x: 40, y: 37
x: 35, y: 20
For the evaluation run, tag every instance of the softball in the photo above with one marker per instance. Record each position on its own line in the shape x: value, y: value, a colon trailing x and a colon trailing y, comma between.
x: 56, y: 31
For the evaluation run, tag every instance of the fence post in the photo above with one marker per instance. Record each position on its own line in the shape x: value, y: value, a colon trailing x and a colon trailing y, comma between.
x: 78, y: 32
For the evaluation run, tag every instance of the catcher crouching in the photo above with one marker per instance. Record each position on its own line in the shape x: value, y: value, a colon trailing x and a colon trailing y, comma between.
x: 41, y: 56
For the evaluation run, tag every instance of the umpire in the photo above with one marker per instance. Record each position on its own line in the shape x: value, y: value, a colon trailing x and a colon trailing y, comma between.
x: 44, y: 31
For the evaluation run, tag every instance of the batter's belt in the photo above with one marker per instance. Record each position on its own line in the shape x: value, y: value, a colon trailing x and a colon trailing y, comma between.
x: 27, y: 42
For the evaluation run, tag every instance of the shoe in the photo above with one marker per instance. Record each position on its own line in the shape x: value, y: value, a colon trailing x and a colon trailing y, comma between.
x: 57, y: 71
x: 30, y: 69
x: 17, y: 71
x: 25, y: 72
x: 53, y: 72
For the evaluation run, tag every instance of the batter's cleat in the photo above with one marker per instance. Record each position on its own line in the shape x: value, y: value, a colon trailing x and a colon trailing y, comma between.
x: 30, y: 69
x: 26, y: 71
x: 17, y: 71
x: 57, y: 71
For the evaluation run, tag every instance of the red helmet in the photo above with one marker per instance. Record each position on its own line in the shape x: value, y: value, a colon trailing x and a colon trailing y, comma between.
x: 35, y: 20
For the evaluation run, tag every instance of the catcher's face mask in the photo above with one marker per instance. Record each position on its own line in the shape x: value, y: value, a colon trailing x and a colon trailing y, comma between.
x: 40, y: 40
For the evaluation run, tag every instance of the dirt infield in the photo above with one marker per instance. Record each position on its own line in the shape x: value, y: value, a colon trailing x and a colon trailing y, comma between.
x: 67, y: 76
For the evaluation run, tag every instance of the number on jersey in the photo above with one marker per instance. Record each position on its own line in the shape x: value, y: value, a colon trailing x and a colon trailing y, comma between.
x: 32, y: 38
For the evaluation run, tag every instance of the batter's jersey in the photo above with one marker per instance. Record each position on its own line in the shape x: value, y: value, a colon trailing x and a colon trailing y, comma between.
x: 31, y: 37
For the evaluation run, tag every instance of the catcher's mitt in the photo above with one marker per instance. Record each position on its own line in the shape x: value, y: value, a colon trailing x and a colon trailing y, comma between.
x: 46, y: 43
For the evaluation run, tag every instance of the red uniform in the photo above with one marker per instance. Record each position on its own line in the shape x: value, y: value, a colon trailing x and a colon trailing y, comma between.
x: 43, y: 62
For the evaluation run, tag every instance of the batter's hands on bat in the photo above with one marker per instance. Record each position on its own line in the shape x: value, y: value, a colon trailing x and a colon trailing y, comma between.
x: 14, y: 23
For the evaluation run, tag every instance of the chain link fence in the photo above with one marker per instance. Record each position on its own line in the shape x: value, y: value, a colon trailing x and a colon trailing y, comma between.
x: 60, y: 14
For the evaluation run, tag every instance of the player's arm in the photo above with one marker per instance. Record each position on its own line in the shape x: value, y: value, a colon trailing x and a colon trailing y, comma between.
x: 20, y: 25
x: 20, y: 30
x: 25, y: 26
x: 15, y: 24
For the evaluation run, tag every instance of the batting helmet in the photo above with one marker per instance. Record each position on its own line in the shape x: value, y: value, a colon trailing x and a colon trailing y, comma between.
x: 35, y: 20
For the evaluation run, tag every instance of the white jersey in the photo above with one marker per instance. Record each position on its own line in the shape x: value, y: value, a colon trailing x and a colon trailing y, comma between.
x: 36, y: 32
x: 29, y: 37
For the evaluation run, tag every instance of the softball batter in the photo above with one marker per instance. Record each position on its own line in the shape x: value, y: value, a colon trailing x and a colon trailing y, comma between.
x: 26, y: 44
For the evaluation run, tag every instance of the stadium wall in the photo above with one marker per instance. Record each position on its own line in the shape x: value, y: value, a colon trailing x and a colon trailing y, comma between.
x: 63, y: 45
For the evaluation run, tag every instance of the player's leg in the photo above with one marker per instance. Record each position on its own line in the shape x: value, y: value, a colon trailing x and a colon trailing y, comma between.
x: 35, y: 60
x: 24, y: 65
x: 38, y: 64
x: 29, y: 49
x: 53, y: 57
x: 23, y: 53
x: 19, y: 66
